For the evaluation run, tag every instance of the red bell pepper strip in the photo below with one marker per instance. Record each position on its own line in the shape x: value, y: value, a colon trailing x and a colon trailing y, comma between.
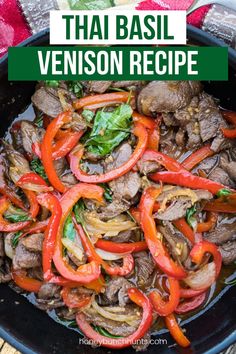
x: 62, y: 147
x: 191, y: 304
x: 185, y: 229
x: 168, y: 162
x: 46, y: 149
x: 87, y: 272
x: 209, y: 224
x: 229, y: 116
x: 6, y: 226
x: 24, y: 282
x: 135, y: 212
x: 189, y: 293
x: 229, y: 133
x: 148, y: 122
x: 220, y: 207
x: 74, y: 300
x: 50, y: 202
x: 176, y: 331
x: 38, y: 226
x: 141, y: 300
x: 82, y: 176
x: 33, y: 182
x: 97, y: 101
x: 165, y: 308
x: 203, y: 247
x: 128, y: 261
x: 34, y: 206
x: 121, y: 247
x: 197, y: 156
x: 96, y: 285
x: 153, y: 129
x: 154, y: 138
x: 186, y: 179
x: 155, y: 245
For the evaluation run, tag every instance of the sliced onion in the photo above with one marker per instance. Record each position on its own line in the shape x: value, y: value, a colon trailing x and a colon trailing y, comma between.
x: 129, y: 319
x: 202, y: 278
x: 109, y: 256
x: 36, y: 187
x: 73, y: 248
x: 9, y: 251
x: 176, y: 193
x: 95, y: 226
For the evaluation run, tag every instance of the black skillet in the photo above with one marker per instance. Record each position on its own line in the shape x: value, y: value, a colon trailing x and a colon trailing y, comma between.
x: 33, y: 331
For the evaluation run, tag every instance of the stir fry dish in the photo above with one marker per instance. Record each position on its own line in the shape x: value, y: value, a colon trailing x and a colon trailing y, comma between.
x: 117, y: 207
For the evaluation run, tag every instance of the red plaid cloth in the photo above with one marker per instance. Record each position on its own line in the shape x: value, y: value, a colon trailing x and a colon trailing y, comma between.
x: 14, y: 29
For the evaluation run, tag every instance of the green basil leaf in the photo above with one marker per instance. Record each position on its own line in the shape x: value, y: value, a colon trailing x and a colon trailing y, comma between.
x: 109, y: 130
x: 104, y: 332
x: 37, y: 167
x: 14, y: 214
x: 52, y: 83
x: 15, y: 239
x: 76, y: 88
x: 88, y: 115
x: 191, y: 220
x: 107, y: 192
x: 79, y: 209
x: 69, y: 229
x: 223, y: 193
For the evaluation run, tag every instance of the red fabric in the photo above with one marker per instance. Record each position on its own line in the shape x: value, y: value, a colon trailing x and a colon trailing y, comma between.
x: 194, y: 19
x: 13, y: 27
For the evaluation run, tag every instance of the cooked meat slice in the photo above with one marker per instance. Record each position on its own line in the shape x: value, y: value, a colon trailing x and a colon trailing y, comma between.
x: 18, y: 164
x: 128, y: 185
x: 209, y: 117
x: 116, y: 291
x: 49, y: 291
x: 180, y: 137
x: 77, y: 124
x: 113, y: 209
x: 228, y: 252
x: 25, y: 259
x: 144, y: 267
x: 166, y: 96
x: 146, y: 167
x: 222, y: 233
x: 69, y: 180
x: 30, y: 134
x: 187, y: 114
x: 60, y: 166
x: 33, y: 243
x: 179, y: 204
x: 177, y: 243
x: 123, y: 236
x: 228, y: 166
x: 208, y: 164
x: 123, y: 84
x: 169, y: 120
x: 220, y: 176
x: 99, y: 86
x: 113, y: 327
x: 66, y: 313
x: 194, y: 138
x: 47, y: 102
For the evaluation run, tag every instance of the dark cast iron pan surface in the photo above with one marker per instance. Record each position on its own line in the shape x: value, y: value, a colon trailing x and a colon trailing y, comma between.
x: 33, y: 331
